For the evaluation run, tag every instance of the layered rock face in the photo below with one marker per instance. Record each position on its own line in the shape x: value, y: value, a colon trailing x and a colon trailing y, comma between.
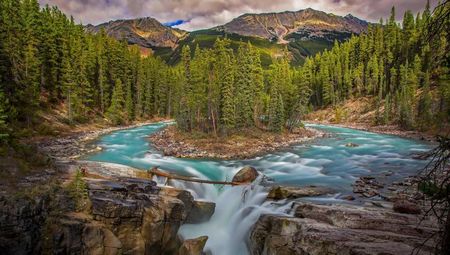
x: 322, y: 229
x: 20, y: 224
x: 129, y: 216
x: 309, y: 23
x: 124, y: 216
x: 146, y: 32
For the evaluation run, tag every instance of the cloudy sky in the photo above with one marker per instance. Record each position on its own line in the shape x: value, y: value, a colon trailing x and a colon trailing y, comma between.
x: 198, y: 14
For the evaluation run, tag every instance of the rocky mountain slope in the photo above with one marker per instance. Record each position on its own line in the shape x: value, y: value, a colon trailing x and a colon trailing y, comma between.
x: 309, y: 23
x: 305, y: 32
x: 146, y: 32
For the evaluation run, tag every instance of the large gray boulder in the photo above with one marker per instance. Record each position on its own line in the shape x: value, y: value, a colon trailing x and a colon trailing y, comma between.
x: 246, y: 175
x: 283, y: 192
x: 193, y: 246
x: 144, y: 217
x: 325, y: 229
x: 201, y: 211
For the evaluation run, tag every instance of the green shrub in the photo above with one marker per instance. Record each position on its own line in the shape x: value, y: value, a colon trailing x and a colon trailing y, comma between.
x: 78, y: 191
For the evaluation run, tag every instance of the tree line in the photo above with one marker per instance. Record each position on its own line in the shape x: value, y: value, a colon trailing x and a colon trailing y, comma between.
x: 224, y: 91
x: 396, y: 64
x: 47, y: 61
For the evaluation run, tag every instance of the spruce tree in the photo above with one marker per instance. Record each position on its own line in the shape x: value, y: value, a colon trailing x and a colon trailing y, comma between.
x: 425, y: 106
x: 115, y: 111
x: 69, y: 85
x: 184, y: 118
x: 276, y: 112
x: 244, y: 87
x: 129, y: 105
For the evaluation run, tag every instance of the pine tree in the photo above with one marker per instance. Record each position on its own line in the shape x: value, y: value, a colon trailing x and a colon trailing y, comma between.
x: 129, y: 105
x: 257, y: 77
x: 276, y: 112
x: 115, y: 111
x: 184, y: 118
x: 302, y: 80
x: 68, y: 80
x: 425, y: 106
x: 244, y: 87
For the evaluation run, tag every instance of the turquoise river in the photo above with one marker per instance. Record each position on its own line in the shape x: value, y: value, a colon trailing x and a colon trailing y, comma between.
x: 325, y: 162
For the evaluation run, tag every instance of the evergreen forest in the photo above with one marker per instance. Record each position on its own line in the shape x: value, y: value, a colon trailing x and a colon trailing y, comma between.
x: 47, y: 60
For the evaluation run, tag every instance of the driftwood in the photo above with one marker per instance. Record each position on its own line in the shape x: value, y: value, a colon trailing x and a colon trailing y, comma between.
x: 155, y: 172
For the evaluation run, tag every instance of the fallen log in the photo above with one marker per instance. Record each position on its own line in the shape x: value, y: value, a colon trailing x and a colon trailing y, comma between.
x: 155, y: 172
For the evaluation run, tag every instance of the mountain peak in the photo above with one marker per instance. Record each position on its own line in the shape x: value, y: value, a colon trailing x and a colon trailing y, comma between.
x: 277, y: 26
x: 146, y: 31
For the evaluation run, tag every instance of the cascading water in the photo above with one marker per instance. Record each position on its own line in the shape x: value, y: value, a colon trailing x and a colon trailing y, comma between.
x: 327, y: 162
x: 237, y: 209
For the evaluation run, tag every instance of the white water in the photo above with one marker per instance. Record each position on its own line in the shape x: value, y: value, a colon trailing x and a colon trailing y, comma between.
x: 237, y: 209
x: 326, y: 163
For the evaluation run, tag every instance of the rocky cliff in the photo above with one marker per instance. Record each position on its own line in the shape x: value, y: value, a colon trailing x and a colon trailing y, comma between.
x: 146, y: 32
x: 307, y: 24
x: 124, y: 214
x: 333, y: 229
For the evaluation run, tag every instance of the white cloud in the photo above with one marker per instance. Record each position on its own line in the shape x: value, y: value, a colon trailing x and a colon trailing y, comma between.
x: 208, y: 13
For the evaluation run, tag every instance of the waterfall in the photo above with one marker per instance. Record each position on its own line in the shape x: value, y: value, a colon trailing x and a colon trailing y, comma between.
x: 327, y: 162
x: 237, y: 210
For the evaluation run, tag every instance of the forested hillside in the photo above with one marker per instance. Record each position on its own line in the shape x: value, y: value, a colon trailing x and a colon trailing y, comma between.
x: 47, y: 61
x: 405, y: 66
x: 305, y: 32
x: 400, y: 64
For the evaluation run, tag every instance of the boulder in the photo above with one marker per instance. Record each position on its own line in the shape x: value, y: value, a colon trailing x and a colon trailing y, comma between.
x: 337, y: 229
x: 142, y: 216
x: 21, y: 221
x: 348, y: 197
x: 201, y: 211
x: 74, y: 234
x: 405, y: 206
x: 193, y: 246
x: 283, y: 192
x: 351, y: 145
x: 246, y: 175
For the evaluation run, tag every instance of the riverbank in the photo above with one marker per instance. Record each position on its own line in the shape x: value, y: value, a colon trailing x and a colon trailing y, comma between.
x: 381, y: 129
x: 244, y: 145
x: 124, y: 204
x: 74, y: 145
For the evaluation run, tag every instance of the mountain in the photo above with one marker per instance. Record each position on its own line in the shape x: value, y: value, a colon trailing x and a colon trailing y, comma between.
x: 304, y: 32
x: 146, y: 32
x: 308, y: 23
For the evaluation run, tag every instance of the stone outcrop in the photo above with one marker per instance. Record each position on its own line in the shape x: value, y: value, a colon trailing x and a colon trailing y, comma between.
x: 125, y: 216
x: 405, y: 206
x: 171, y: 142
x: 21, y: 221
x: 246, y: 175
x: 146, y: 32
x: 201, y: 211
x: 128, y: 216
x: 76, y: 234
x: 283, y: 192
x: 193, y: 246
x: 321, y: 229
x: 306, y: 24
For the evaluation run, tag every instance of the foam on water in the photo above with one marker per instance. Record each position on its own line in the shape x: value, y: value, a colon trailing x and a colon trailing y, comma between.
x: 328, y: 162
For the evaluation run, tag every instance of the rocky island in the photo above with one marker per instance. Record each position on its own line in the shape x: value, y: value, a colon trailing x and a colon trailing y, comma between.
x: 245, y: 145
